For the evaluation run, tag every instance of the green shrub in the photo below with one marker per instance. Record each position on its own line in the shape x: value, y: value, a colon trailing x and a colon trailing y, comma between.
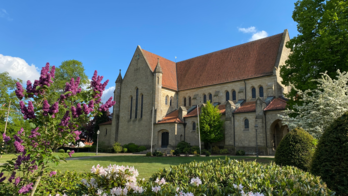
x: 224, y: 151
x: 182, y: 145
x: 186, y: 150
x: 216, y: 150
x: 125, y: 150
x: 269, y: 179
x: 206, y: 153
x: 117, y: 147
x: 61, y: 150
x: 194, y: 148
x: 142, y: 148
x: 240, y: 152
x: 67, y: 151
x: 131, y: 147
x: 177, y: 152
x: 295, y: 149
x: 330, y: 160
x: 148, y: 154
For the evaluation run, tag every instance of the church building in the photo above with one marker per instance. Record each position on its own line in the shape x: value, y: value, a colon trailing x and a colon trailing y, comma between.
x: 242, y: 81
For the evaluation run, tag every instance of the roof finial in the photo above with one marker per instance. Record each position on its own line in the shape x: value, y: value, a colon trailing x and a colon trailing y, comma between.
x: 120, y: 71
x: 158, y: 68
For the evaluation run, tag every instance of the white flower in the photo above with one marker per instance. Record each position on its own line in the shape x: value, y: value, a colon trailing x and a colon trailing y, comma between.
x: 99, y: 192
x: 125, y: 191
x: 163, y: 181
x: 157, y: 180
x: 116, y: 191
x: 177, y: 189
x: 156, y: 189
x: 104, y: 194
x: 196, y: 181
x: 65, y: 194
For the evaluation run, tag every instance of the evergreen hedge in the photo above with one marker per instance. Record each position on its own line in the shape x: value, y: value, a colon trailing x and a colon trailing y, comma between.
x: 330, y: 160
x: 296, y: 149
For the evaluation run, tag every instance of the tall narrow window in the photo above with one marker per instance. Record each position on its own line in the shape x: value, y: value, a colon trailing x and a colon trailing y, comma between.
x: 234, y: 95
x: 227, y: 96
x: 142, y: 101
x: 136, y: 103
x: 194, y: 126
x: 204, y: 98
x: 246, y: 124
x: 261, y: 91
x: 189, y: 101
x: 185, y: 101
x: 253, y: 93
x: 171, y: 101
x: 167, y: 100
x: 131, y: 105
x: 210, y: 98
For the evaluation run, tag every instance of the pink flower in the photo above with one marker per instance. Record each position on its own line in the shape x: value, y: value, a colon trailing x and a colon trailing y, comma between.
x: 6, y: 138
x: 19, y: 91
x: 18, y: 146
x: 53, y: 173
x: 71, y: 152
x: 26, y: 189
x: 17, y: 180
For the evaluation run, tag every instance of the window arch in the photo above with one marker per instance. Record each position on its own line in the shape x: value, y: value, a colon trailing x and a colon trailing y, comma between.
x: 261, y: 91
x: 171, y: 100
x: 204, y: 98
x: 166, y: 100
x: 246, y: 123
x: 234, y: 97
x: 189, y: 101
x: 185, y: 101
x: 193, y: 125
x: 210, y: 98
x: 253, y: 92
x: 142, y: 102
x: 136, y: 103
x: 227, y: 96
x: 131, y: 105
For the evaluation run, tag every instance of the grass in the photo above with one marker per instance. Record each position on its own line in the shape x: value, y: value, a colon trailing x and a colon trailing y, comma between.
x: 7, y: 157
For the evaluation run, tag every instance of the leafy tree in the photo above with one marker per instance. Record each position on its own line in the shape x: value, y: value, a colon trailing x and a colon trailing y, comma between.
x: 211, y: 125
x: 320, y: 46
x: 90, y: 129
x: 320, y: 107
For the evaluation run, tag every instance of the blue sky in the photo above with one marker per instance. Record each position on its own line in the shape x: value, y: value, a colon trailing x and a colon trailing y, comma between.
x: 103, y: 35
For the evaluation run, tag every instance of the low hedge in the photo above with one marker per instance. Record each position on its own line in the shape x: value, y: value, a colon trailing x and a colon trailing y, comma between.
x: 269, y: 179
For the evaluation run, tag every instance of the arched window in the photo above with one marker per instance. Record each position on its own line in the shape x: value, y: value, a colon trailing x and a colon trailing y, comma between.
x: 185, y: 101
x: 253, y: 93
x: 171, y: 99
x: 142, y: 101
x: 166, y: 100
x: 204, y: 98
x: 194, y: 126
x: 131, y: 105
x: 246, y: 124
x: 227, y: 96
x: 234, y: 95
x: 189, y: 101
x: 210, y: 98
x: 261, y: 91
x: 136, y: 103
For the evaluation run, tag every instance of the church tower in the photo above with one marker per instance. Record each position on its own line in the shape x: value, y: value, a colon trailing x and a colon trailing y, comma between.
x: 158, y: 89
x: 116, y: 112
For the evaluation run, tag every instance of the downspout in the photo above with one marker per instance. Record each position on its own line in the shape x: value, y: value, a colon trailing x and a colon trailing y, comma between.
x: 184, y: 130
x: 245, y: 91
x: 266, y: 132
x: 234, y: 132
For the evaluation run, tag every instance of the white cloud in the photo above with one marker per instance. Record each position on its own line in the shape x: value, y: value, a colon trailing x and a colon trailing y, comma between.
x: 18, y: 68
x: 247, y: 30
x: 4, y: 14
x: 258, y: 35
x: 109, y: 92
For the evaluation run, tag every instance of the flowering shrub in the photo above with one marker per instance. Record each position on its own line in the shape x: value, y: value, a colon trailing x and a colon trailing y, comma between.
x: 53, y: 124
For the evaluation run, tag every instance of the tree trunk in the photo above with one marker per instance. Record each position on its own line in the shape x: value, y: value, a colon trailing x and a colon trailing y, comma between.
x: 36, y: 184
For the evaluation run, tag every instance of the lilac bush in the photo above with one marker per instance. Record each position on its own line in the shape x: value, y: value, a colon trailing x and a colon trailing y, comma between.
x: 53, y: 125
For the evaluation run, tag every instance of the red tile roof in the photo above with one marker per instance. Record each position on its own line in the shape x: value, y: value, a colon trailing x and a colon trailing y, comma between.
x: 247, y: 107
x: 172, y: 117
x: 106, y: 123
x: 252, y: 59
x: 168, y: 69
x: 276, y: 104
x: 222, y: 109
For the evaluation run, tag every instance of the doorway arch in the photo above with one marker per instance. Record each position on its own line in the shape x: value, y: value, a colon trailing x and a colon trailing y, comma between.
x: 278, y: 131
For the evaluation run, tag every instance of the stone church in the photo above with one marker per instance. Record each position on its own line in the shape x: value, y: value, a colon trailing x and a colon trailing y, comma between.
x: 243, y: 81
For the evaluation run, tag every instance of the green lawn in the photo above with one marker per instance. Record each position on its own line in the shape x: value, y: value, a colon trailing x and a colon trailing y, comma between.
x: 7, y: 157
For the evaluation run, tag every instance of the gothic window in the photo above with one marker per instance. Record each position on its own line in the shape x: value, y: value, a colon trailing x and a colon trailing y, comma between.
x: 253, y: 93
x: 210, y: 98
x: 142, y: 101
x: 185, y: 101
x: 204, y: 98
x: 167, y: 100
x: 136, y: 103
x: 171, y: 99
x: 227, y: 96
x: 194, y: 126
x: 261, y: 91
x: 131, y: 105
x: 234, y: 95
x: 189, y: 101
x: 246, y: 124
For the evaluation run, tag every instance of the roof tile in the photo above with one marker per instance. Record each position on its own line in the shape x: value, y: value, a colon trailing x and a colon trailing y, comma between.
x: 172, y: 117
x: 276, y: 104
x: 247, y: 107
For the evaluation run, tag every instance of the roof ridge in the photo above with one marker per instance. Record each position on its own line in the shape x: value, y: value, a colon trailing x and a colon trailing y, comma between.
x: 159, y: 56
x: 230, y: 47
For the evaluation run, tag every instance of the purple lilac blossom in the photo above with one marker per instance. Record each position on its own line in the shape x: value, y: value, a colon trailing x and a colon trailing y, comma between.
x: 54, y: 109
x: 34, y: 133
x: 5, y: 138
x: 78, y: 109
x: 77, y: 134
x: 19, y: 91
x: 73, y: 112
x: 13, y: 175
x: 86, y: 109
x: 36, y: 83
x: 46, y: 78
x: 26, y: 189
x: 107, y: 105
x: 2, y: 178
x: 20, y: 131
x: 18, y: 139
x: 53, y: 173
x: 34, y: 144
x: 33, y: 168
x: 29, y: 89
x: 17, y: 180
x: 27, y: 112
x: 71, y: 152
x: 65, y: 119
x: 45, y: 107
x: 98, y: 101
x: 18, y: 146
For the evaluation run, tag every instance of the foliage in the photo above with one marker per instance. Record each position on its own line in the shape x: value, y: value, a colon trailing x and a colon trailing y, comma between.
x: 141, y: 148
x: 216, y: 150
x: 194, y: 148
x: 177, y: 152
x: 224, y: 151
x: 211, y: 125
x: 295, y: 149
x: 117, y: 147
x: 182, y: 145
x: 186, y: 150
x: 320, y: 46
x: 52, y: 126
x: 321, y: 106
x: 61, y: 150
x: 240, y: 152
x: 159, y: 154
x: 125, y: 150
x: 206, y: 153
x: 330, y: 159
x: 172, y: 152
x: 131, y: 147
x: 223, y: 175
x: 148, y: 154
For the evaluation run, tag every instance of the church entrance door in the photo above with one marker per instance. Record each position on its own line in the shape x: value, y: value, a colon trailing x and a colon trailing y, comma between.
x: 165, y: 139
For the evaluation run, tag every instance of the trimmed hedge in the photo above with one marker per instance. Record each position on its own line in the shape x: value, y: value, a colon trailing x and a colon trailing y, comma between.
x: 183, y: 145
x: 296, y: 149
x: 330, y: 160
x: 269, y: 179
